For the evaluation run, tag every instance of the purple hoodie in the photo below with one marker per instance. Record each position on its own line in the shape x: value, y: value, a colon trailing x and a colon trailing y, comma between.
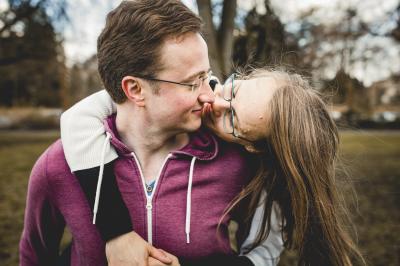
x: 55, y: 200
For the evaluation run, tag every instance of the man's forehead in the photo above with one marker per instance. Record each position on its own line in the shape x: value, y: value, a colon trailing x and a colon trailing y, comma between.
x: 186, y: 56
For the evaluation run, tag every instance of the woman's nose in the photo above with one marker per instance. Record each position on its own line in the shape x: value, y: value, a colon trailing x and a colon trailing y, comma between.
x: 220, y: 105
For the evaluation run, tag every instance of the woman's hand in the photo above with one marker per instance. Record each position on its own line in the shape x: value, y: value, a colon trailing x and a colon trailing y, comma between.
x: 155, y: 262
x: 132, y: 250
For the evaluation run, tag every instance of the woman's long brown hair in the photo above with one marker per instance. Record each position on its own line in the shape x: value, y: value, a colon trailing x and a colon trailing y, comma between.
x: 297, y: 171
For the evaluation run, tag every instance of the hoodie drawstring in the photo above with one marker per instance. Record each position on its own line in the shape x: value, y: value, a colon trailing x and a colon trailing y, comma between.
x: 106, y: 146
x: 189, y: 201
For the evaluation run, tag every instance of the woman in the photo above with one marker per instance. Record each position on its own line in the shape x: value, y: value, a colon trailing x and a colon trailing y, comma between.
x: 281, y: 118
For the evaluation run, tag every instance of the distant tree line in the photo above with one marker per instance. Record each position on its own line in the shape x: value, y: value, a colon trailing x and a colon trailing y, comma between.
x: 32, y: 61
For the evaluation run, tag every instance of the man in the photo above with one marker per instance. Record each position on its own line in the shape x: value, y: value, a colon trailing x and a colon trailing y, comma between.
x: 168, y: 182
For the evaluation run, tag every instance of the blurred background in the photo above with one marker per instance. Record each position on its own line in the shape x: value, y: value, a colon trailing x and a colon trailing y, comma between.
x: 349, y: 49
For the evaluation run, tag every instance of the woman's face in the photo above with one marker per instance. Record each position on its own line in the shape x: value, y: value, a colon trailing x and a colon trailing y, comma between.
x: 241, y: 115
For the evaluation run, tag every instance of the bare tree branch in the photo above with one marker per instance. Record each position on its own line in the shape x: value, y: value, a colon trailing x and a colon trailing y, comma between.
x: 23, y: 12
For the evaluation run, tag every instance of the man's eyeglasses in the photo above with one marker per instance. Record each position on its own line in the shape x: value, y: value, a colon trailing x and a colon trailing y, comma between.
x: 230, y: 118
x: 198, y: 83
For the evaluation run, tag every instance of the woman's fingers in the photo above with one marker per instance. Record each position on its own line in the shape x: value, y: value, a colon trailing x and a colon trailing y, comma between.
x: 160, y: 255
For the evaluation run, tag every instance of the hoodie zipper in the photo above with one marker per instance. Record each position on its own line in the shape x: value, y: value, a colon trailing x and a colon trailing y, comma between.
x: 149, y: 199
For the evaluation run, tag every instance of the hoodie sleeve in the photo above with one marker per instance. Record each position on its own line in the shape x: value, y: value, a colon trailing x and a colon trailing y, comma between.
x: 83, y: 134
x: 269, y: 251
x: 43, y: 224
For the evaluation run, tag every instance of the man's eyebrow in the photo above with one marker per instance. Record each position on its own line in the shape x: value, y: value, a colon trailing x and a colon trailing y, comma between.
x: 192, y: 77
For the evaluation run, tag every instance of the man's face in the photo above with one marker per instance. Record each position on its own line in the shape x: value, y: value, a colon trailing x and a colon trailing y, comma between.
x: 177, y: 108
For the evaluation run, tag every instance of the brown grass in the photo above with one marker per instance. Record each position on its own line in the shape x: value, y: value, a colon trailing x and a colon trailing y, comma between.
x: 372, y: 159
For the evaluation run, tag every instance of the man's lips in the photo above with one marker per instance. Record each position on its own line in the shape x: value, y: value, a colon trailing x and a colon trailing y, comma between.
x: 205, y: 110
x: 197, y: 110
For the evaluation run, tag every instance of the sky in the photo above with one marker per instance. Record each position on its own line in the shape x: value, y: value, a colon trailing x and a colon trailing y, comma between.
x: 88, y: 19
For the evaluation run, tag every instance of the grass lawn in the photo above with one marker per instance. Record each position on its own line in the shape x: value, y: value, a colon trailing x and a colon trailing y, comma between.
x: 370, y: 157
x: 373, y: 162
x: 18, y: 153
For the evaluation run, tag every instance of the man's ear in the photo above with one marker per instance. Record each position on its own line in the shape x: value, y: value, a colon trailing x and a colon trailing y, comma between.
x: 133, y: 90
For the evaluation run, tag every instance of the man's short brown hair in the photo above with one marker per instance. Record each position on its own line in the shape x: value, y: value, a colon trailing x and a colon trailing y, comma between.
x: 132, y: 38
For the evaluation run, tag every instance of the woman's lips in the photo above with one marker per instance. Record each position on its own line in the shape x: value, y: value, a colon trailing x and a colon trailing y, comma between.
x: 206, y: 115
x: 207, y: 109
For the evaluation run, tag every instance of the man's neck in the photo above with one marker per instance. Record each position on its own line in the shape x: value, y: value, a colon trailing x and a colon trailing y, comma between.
x: 147, y: 140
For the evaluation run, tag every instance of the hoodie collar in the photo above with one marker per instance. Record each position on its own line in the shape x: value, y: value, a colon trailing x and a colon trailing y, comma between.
x: 202, y: 143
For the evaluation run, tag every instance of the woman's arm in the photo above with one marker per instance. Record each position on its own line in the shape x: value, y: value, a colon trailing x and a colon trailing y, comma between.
x: 268, y: 252
x: 83, y: 134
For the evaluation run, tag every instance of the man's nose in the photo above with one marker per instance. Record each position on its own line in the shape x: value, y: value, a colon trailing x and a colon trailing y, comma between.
x: 206, y: 94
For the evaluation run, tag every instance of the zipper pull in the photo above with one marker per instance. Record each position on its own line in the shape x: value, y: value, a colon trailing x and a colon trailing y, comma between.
x: 148, y: 205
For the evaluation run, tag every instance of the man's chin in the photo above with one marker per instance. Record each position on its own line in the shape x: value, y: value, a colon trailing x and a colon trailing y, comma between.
x: 194, y: 126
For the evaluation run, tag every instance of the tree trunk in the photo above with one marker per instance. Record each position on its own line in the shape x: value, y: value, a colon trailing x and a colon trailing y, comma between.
x: 225, y: 36
x: 210, y: 35
x: 220, y: 42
